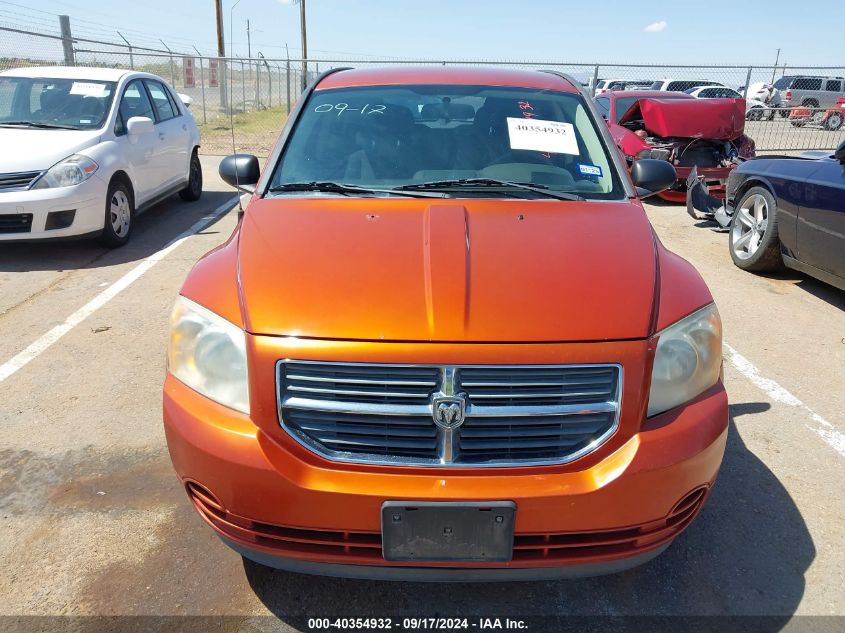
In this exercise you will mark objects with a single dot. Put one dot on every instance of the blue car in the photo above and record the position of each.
(782, 211)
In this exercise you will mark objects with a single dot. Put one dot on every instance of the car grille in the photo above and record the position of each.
(513, 416)
(20, 180)
(15, 222)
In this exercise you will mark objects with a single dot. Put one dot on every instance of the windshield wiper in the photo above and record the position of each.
(45, 126)
(543, 190)
(336, 187)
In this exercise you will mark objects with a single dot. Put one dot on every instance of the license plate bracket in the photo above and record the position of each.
(434, 531)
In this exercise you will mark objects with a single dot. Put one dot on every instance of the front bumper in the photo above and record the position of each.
(87, 200)
(281, 505)
(715, 179)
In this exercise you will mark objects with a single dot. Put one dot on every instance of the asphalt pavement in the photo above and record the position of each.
(93, 521)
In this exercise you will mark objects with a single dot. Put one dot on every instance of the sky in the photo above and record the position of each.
(641, 31)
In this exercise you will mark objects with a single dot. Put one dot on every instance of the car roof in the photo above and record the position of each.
(696, 88)
(68, 72)
(467, 76)
(652, 94)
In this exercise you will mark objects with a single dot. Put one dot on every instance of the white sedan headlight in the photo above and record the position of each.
(70, 171)
(208, 354)
(687, 361)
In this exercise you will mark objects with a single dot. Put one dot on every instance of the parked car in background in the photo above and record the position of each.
(479, 362)
(607, 85)
(766, 93)
(680, 85)
(604, 85)
(86, 149)
(810, 92)
(755, 110)
(783, 211)
(674, 126)
(831, 119)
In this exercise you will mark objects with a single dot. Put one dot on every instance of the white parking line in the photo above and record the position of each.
(44, 342)
(824, 429)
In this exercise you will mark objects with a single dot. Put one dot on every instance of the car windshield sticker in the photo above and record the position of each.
(88, 89)
(589, 170)
(554, 137)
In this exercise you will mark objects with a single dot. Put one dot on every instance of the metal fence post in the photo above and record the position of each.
(279, 69)
(172, 69)
(287, 78)
(243, 85)
(129, 46)
(269, 80)
(595, 78)
(257, 85)
(202, 86)
(747, 81)
(67, 39)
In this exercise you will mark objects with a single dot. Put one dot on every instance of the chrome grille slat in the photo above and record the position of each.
(357, 429)
(356, 407)
(359, 381)
(542, 409)
(513, 415)
(350, 392)
(539, 394)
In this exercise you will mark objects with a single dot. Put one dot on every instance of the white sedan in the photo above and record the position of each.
(86, 149)
(755, 109)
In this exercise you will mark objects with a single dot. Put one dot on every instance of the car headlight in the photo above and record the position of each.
(70, 171)
(687, 361)
(208, 354)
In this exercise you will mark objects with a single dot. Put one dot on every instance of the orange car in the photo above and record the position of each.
(444, 342)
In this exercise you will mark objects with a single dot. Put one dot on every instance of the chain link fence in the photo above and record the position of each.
(256, 94)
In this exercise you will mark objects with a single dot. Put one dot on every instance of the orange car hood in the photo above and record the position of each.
(412, 269)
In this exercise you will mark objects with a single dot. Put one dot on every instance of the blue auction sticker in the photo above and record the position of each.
(590, 170)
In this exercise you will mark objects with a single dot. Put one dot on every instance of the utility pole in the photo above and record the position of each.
(304, 44)
(774, 70)
(248, 42)
(67, 39)
(221, 53)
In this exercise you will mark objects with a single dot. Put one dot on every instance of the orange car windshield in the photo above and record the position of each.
(386, 137)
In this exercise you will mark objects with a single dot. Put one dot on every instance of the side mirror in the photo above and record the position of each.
(138, 126)
(651, 176)
(839, 154)
(185, 99)
(241, 171)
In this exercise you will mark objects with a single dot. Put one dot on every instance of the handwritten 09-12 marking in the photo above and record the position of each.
(340, 108)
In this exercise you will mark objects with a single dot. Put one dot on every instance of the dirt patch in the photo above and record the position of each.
(85, 480)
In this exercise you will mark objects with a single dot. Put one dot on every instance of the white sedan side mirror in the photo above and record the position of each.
(137, 126)
(185, 99)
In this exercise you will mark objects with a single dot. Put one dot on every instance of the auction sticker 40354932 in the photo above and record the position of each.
(554, 137)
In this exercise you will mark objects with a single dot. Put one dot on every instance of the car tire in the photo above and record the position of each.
(834, 121)
(119, 215)
(193, 190)
(755, 114)
(753, 237)
(783, 112)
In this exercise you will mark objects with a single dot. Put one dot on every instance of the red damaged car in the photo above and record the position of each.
(676, 127)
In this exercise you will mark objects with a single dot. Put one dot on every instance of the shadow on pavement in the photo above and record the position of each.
(746, 554)
(153, 230)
